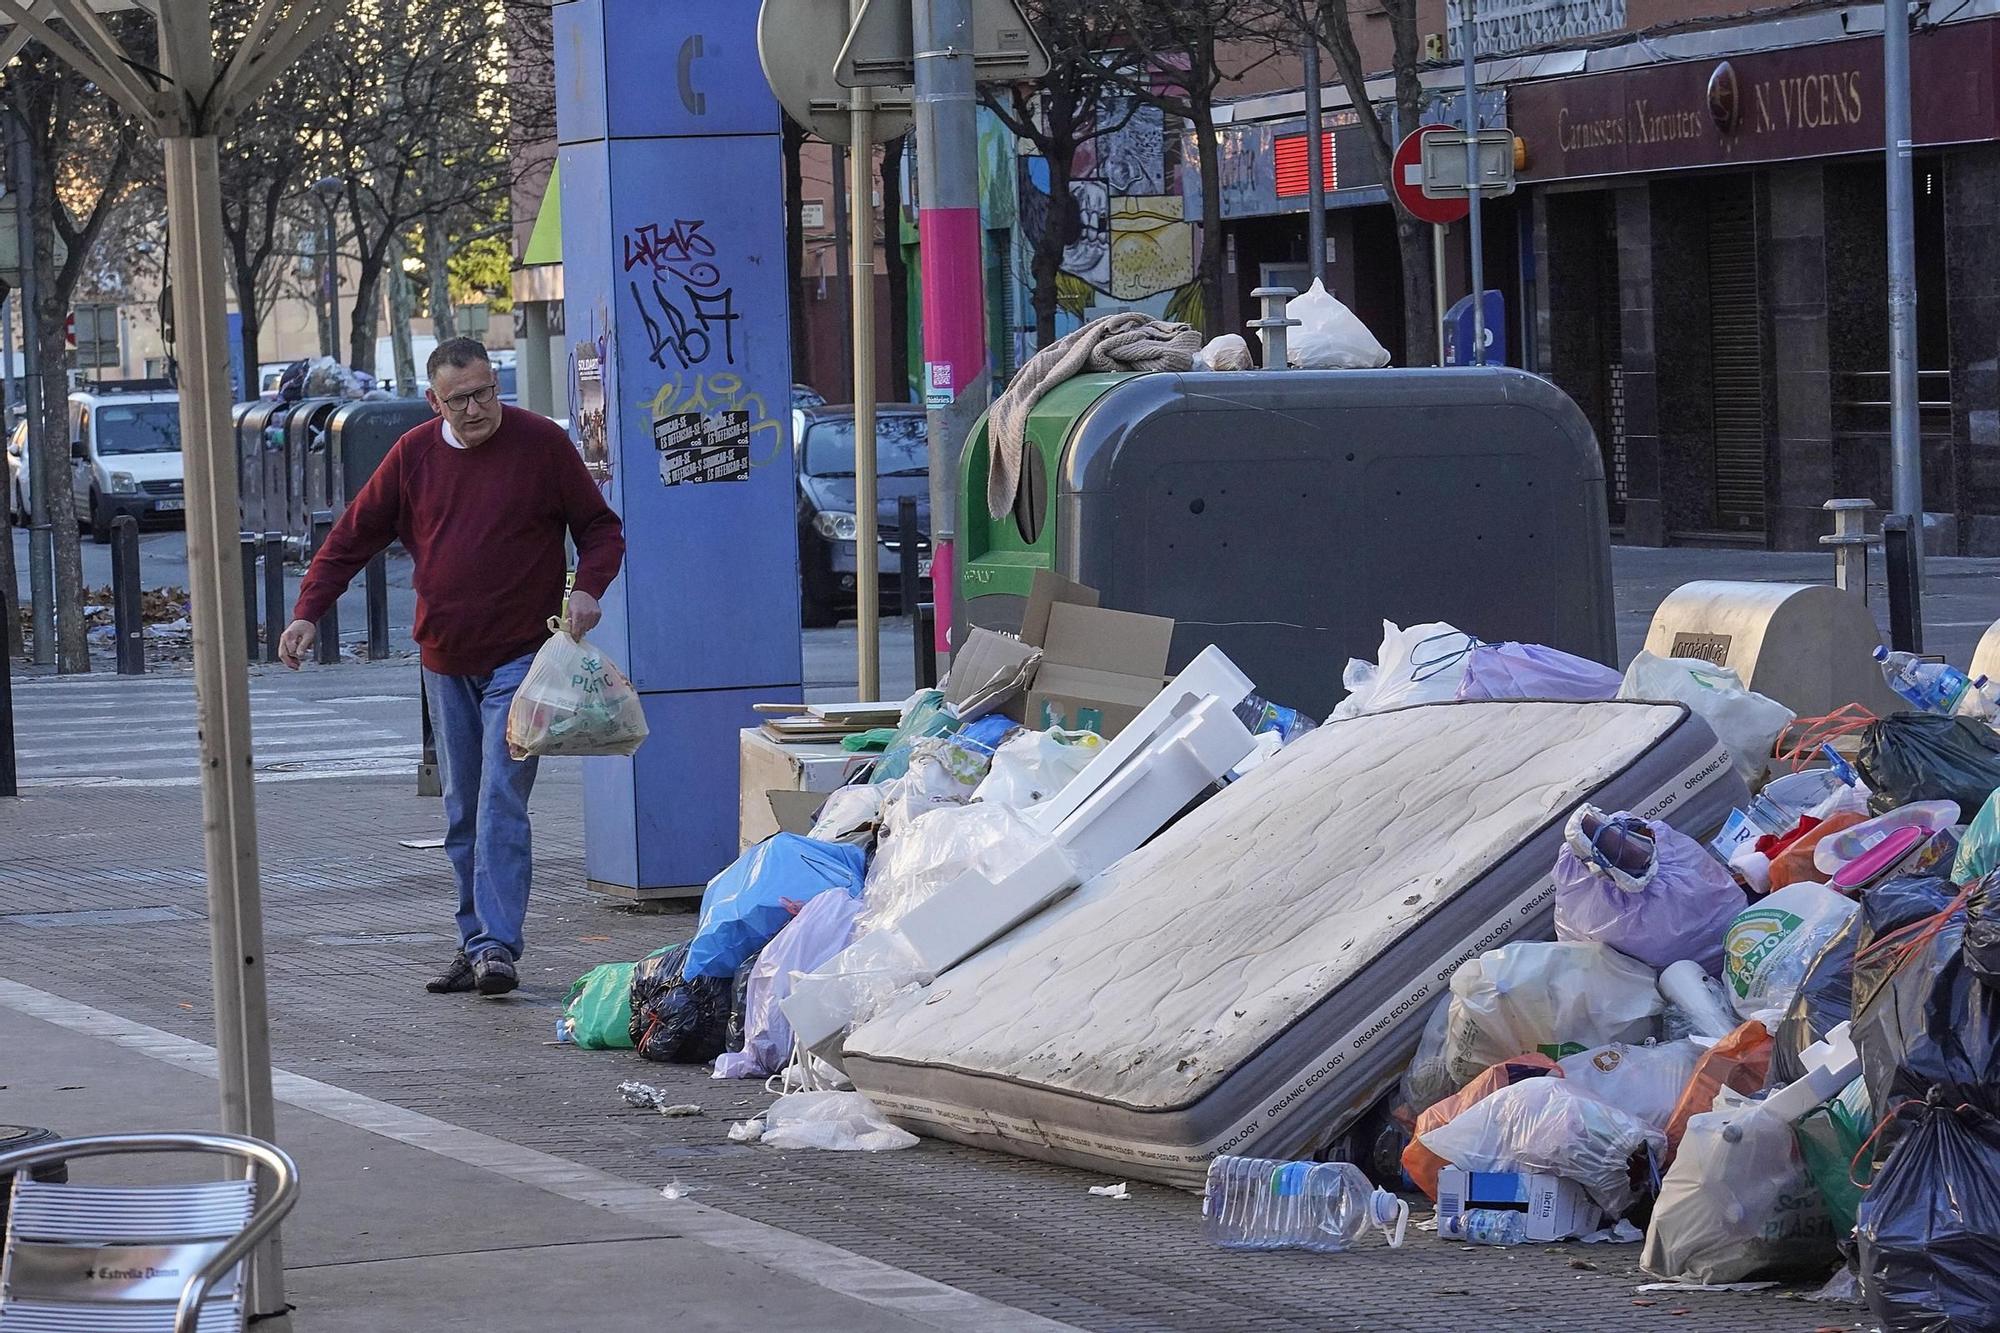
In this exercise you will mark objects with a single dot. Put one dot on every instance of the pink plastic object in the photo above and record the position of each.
(1884, 854)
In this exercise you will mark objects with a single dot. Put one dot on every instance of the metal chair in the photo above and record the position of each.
(155, 1259)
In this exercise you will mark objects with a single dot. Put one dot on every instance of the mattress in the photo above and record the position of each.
(1258, 976)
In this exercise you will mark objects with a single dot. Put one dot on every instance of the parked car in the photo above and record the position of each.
(825, 451)
(17, 475)
(804, 395)
(125, 453)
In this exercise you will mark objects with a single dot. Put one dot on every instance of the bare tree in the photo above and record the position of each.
(1072, 105)
(1335, 22)
(82, 150)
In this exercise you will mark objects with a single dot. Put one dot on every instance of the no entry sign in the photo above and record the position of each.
(1406, 178)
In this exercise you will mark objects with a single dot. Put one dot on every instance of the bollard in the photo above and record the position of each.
(1850, 542)
(428, 781)
(376, 581)
(926, 632)
(1271, 328)
(909, 581)
(326, 648)
(274, 593)
(9, 785)
(250, 591)
(1906, 630)
(128, 620)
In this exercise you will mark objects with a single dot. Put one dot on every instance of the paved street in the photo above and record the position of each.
(449, 1145)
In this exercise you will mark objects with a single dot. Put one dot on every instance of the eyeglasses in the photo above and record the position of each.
(458, 402)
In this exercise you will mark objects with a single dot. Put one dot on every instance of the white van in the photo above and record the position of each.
(125, 454)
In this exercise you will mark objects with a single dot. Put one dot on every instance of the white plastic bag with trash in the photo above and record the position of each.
(1545, 1125)
(1552, 999)
(936, 849)
(850, 814)
(1645, 1081)
(1738, 1202)
(1033, 766)
(1329, 336)
(837, 1121)
(1770, 946)
(1228, 352)
(1745, 722)
(1423, 664)
(574, 700)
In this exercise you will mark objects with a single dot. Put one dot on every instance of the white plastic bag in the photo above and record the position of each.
(850, 814)
(1543, 1124)
(1737, 1202)
(574, 700)
(1329, 335)
(1555, 999)
(1423, 664)
(839, 1121)
(1228, 352)
(1032, 766)
(1770, 946)
(1746, 723)
(936, 849)
(1644, 1081)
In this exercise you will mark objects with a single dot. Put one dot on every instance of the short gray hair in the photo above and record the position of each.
(457, 353)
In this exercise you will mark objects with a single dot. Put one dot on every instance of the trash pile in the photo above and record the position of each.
(1763, 1047)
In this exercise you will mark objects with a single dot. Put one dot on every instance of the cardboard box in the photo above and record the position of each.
(765, 765)
(1099, 668)
(1555, 1208)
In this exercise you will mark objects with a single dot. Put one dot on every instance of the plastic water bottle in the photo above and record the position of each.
(1930, 687)
(1979, 702)
(1252, 1203)
(1486, 1226)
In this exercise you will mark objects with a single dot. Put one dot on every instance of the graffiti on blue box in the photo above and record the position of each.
(696, 447)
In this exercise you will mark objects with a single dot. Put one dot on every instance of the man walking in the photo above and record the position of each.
(480, 497)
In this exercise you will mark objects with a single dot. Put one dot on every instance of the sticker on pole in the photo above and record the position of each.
(698, 448)
(937, 384)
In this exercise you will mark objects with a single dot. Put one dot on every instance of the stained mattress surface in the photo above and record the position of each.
(1361, 865)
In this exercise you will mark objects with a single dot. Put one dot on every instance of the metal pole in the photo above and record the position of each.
(7, 308)
(274, 593)
(128, 623)
(861, 233)
(1905, 446)
(9, 785)
(221, 677)
(326, 647)
(1469, 41)
(41, 537)
(1437, 280)
(376, 583)
(247, 542)
(909, 581)
(953, 268)
(330, 281)
(1315, 165)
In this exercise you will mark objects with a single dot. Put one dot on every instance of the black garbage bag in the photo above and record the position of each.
(674, 1018)
(1924, 757)
(1928, 1235)
(739, 1002)
(1826, 996)
(1923, 1016)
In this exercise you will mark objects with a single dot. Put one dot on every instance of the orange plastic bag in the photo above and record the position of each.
(1741, 1061)
(1422, 1164)
(1794, 865)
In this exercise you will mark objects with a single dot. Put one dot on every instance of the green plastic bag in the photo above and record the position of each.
(598, 1008)
(1828, 1138)
(1979, 854)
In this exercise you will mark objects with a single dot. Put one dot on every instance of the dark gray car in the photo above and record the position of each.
(825, 450)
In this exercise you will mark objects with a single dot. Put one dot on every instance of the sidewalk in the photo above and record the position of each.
(506, 1170)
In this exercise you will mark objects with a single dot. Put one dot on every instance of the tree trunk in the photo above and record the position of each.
(366, 318)
(444, 315)
(794, 138)
(253, 327)
(1046, 266)
(55, 498)
(1420, 316)
(1209, 266)
(399, 324)
(897, 267)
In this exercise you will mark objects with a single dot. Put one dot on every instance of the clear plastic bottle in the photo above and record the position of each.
(1930, 687)
(1253, 1203)
(1485, 1226)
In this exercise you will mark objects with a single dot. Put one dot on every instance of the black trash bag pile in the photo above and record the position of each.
(1826, 997)
(739, 1003)
(1928, 1237)
(676, 1019)
(1924, 757)
(1927, 1011)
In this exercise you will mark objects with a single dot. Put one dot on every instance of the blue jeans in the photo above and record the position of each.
(485, 804)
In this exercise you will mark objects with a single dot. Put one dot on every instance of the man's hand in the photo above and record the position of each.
(296, 642)
(584, 613)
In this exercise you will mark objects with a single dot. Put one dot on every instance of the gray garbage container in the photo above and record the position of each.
(360, 436)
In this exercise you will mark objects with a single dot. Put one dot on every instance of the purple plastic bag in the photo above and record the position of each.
(1684, 910)
(822, 929)
(1530, 671)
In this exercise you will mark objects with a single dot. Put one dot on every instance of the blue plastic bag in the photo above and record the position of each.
(746, 905)
(1531, 671)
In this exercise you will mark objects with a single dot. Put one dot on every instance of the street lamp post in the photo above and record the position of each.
(329, 190)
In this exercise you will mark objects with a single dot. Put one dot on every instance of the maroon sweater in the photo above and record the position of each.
(484, 527)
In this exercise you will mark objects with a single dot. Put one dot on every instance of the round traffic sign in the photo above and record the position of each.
(1406, 178)
(797, 41)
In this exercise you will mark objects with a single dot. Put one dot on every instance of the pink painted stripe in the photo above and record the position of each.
(954, 282)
